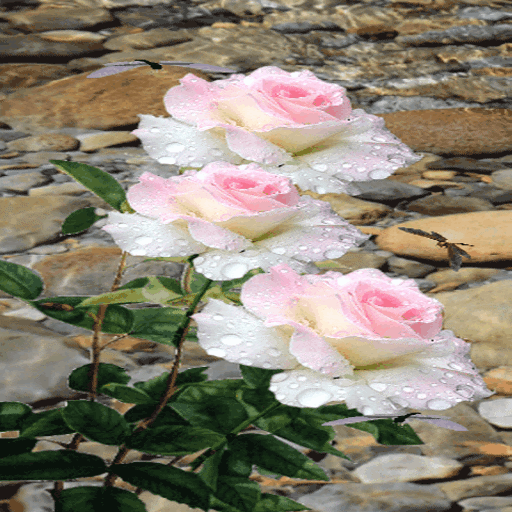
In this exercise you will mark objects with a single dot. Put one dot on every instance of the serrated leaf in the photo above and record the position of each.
(167, 481)
(107, 373)
(98, 499)
(173, 440)
(126, 394)
(19, 281)
(50, 465)
(273, 455)
(117, 320)
(97, 181)
(12, 415)
(46, 423)
(80, 220)
(96, 422)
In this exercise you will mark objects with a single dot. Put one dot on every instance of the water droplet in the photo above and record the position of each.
(438, 404)
(367, 411)
(216, 152)
(234, 270)
(143, 240)
(245, 361)
(274, 352)
(320, 190)
(378, 175)
(303, 247)
(346, 166)
(181, 242)
(231, 339)
(316, 250)
(313, 397)
(122, 225)
(407, 389)
(379, 138)
(378, 386)
(218, 317)
(174, 147)
(465, 391)
(320, 167)
(278, 250)
(267, 365)
(167, 160)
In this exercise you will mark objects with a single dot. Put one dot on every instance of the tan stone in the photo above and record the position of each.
(438, 175)
(67, 36)
(51, 18)
(489, 232)
(453, 132)
(19, 76)
(355, 211)
(45, 142)
(99, 103)
(149, 39)
(473, 88)
(104, 140)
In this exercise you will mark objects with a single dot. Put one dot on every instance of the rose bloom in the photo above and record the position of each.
(294, 124)
(363, 338)
(237, 217)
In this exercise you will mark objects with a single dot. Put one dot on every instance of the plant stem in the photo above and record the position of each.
(95, 364)
(170, 387)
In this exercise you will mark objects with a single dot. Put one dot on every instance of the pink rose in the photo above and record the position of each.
(237, 217)
(363, 338)
(274, 118)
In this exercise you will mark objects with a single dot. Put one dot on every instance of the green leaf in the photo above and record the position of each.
(98, 499)
(126, 394)
(197, 281)
(212, 405)
(96, 422)
(15, 446)
(166, 417)
(238, 492)
(167, 481)
(237, 283)
(12, 415)
(107, 373)
(80, 220)
(18, 281)
(301, 432)
(173, 440)
(157, 290)
(257, 400)
(210, 470)
(98, 182)
(46, 423)
(389, 433)
(272, 503)
(50, 465)
(273, 455)
(257, 377)
(117, 319)
(157, 324)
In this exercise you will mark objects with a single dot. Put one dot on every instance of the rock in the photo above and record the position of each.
(26, 349)
(45, 142)
(20, 76)
(481, 315)
(48, 17)
(28, 221)
(437, 205)
(453, 132)
(99, 103)
(355, 211)
(489, 232)
(104, 140)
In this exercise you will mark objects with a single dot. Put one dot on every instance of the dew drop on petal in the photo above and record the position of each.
(167, 160)
(174, 147)
(143, 240)
(438, 404)
(278, 250)
(231, 339)
(246, 361)
(320, 167)
(234, 270)
(313, 397)
(408, 389)
(154, 130)
(378, 175)
(332, 254)
(320, 190)
(378, 386)
(218, 317)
